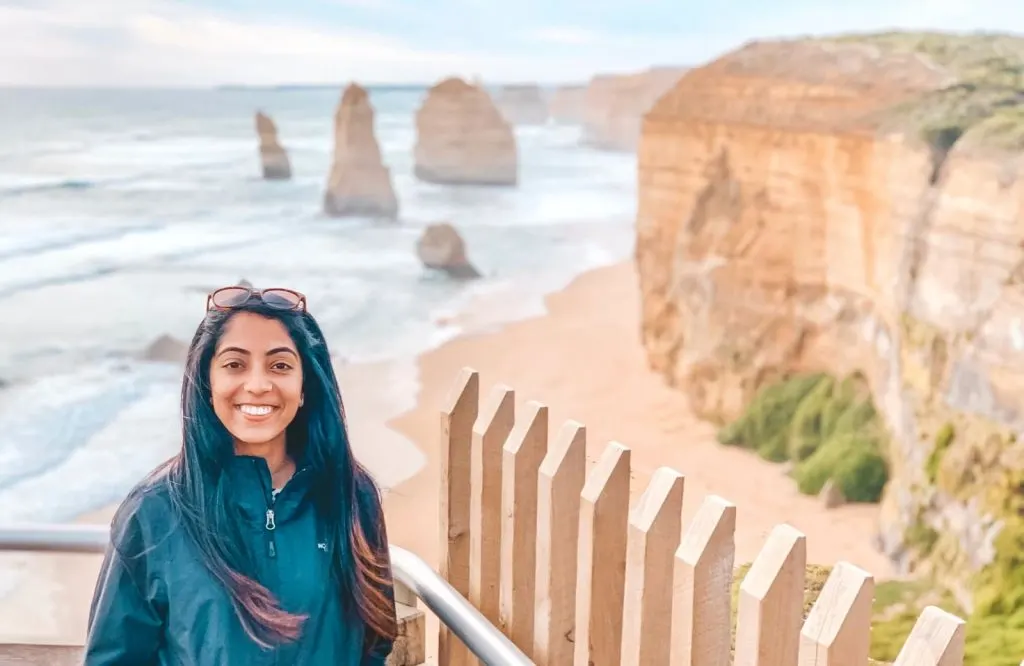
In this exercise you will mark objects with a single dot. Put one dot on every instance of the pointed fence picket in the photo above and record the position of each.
(554, 556)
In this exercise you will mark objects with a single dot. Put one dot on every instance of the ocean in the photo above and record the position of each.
(120, 209)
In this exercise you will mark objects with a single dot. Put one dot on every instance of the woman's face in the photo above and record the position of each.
(256, 379)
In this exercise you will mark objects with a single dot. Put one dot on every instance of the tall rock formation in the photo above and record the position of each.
(462, 138)
(614, 106)
(273, 157)
(523, 104)
(856, 204)
(359, 184)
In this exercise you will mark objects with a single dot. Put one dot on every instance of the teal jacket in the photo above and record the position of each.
(155, 604)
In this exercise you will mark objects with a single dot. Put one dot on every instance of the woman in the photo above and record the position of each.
(262, 541)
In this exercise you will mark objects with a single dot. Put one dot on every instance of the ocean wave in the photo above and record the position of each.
(47, 421)
(115, 432)
(31, 187)
(48, 243)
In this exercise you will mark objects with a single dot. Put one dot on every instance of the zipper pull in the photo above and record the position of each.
(270, 520)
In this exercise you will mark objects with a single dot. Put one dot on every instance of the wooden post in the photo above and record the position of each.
(838, 630)
(655, 527)
(489, 434)
(771, 602)
(521, 460)
(936, 640)
(702, 588)
(559, 486)
(604, 515)
(457, 419)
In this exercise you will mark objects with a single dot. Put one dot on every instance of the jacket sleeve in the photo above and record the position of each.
(125, 626)
(380, 646)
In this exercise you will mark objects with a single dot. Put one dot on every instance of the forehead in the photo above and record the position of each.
(252, 332)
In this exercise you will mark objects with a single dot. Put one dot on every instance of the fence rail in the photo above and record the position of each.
(558, 559)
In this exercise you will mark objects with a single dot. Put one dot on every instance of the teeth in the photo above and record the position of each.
(255, 410)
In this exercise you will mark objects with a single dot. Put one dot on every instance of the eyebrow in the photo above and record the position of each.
(246, 352)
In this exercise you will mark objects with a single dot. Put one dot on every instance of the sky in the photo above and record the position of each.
(170, 43)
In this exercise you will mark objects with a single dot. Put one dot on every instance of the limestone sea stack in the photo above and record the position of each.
(359, 184)
(462, 138)
(523, 104)
(273, 156)
(440, 247)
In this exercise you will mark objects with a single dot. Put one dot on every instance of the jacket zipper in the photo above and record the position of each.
(270, 525)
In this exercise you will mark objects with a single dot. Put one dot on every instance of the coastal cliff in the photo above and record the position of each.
(855, 205)
(567, 104)
(614, 106)
(522, 104)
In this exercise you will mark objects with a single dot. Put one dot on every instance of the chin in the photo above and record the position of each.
(256, 436)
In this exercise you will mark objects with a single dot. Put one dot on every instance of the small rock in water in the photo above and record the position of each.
(242, 282)
(166, 349)
(831, 496)
(441, 247)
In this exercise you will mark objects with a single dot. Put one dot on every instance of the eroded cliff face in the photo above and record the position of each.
(802, 209)
(614, 105)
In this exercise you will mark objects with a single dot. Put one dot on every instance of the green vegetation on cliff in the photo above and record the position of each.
(828, 428)
(984, 101)
(991, 641)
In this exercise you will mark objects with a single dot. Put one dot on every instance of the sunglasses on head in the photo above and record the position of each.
(278, 298)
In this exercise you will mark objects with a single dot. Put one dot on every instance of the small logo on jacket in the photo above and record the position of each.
(322, 545)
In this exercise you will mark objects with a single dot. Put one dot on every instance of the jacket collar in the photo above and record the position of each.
(250, 488)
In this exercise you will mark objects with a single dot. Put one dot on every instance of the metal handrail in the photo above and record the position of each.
(481, 637)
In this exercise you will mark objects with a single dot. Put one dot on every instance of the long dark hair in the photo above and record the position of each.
(345, 493)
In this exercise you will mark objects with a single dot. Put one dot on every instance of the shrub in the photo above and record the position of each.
(830, 429)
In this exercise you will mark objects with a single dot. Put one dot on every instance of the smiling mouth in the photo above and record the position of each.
(256, 411)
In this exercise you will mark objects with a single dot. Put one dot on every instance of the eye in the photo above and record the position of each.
(233, 365)
(281, 366)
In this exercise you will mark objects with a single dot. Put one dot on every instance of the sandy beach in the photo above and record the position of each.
(584, 360)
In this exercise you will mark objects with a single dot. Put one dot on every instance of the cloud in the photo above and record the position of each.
(171, 42)
(155, 42)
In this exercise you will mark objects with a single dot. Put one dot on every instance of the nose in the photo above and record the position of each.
(257, 382)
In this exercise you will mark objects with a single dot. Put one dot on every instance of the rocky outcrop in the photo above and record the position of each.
(855, 204)
(166, 349)
(568, 104)
(440, 247)
(273, 157)
(462, 138)
(614, 106)
(359, 184)
(523, 104)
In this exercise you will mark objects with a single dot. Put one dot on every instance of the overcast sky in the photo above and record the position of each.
(209, 42)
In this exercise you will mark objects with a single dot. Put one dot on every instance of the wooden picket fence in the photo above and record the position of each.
(555, 557)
